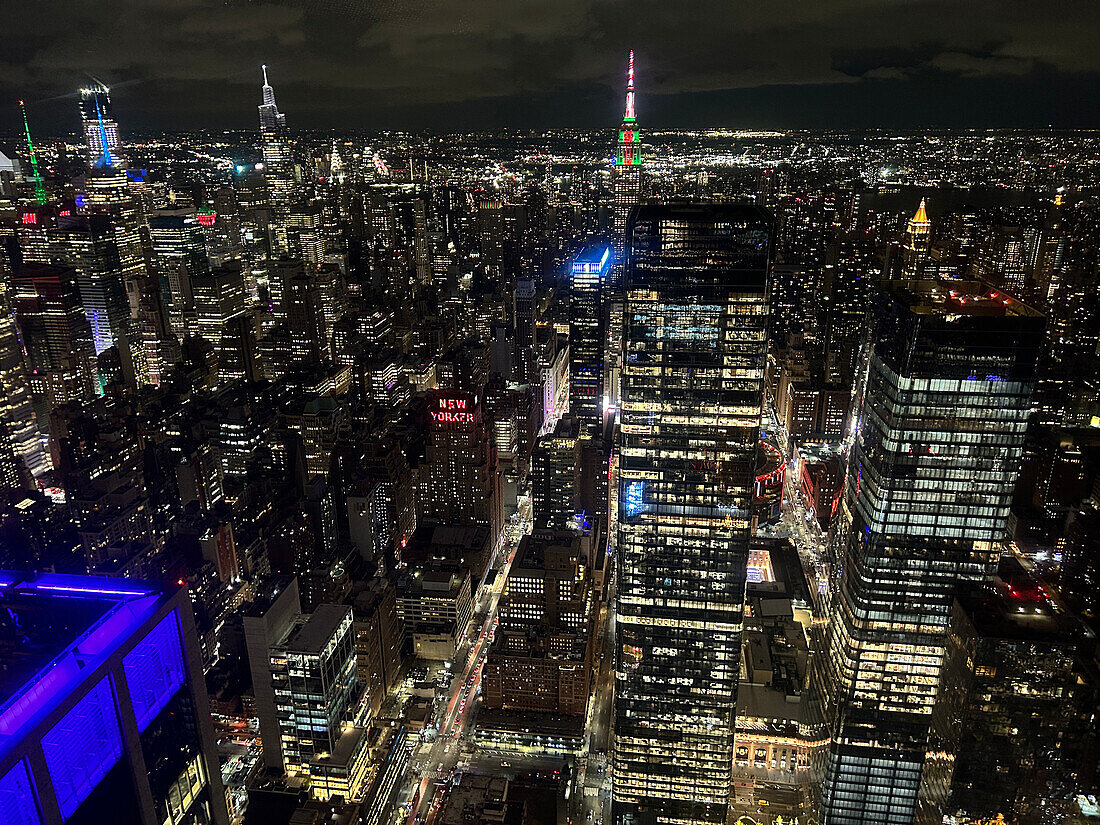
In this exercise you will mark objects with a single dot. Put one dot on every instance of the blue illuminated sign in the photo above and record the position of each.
(80, 201)
(155, 670)
(83, 747)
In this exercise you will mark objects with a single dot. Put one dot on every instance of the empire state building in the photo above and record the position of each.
(626, 174)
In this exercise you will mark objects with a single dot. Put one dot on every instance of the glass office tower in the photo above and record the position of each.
(939, 427)
(695, 321)
(586, 345)
(316, 693)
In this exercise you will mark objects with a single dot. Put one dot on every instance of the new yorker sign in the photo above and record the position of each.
(453, 410)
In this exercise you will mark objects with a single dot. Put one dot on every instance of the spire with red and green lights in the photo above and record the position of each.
(39, 188)
(629, 150)
(629, 116)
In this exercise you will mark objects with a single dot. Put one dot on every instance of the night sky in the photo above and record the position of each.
(456, 64)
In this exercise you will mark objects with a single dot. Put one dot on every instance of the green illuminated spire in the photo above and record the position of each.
(39, 189)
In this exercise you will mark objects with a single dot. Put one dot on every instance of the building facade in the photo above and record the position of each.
(1016, 709)
(939, 430)
(541, 660)
(314, 676)
(696, 312)
(586, 345)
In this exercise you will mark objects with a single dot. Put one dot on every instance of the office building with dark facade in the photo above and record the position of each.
(695, 318)
(937, 441)
(1014, 722)
(586, 345)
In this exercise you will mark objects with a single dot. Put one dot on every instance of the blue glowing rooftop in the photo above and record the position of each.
(593, 259)
(55, 629)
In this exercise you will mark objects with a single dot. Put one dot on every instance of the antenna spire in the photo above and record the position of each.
(264, 67)
(629, 116)
(39, 189)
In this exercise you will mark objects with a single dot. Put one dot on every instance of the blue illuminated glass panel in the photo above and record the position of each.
(155, 670)
(17, 800)
(634, 499)
(83, 746)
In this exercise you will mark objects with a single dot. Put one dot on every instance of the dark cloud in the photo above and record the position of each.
(538, 62)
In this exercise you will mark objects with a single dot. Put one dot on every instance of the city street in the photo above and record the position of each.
(434, 761)
(798, 522)
(592, 800)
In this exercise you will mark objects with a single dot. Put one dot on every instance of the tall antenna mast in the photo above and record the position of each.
(39, 189)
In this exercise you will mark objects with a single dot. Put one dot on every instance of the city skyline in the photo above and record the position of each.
(417, 64)
(509, 477)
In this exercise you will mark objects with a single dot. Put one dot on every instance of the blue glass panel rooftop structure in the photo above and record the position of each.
(155, 670)
(17, 798)
(91, 664)
(83, 746)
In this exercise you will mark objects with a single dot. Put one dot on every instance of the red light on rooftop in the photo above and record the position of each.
(182, 581)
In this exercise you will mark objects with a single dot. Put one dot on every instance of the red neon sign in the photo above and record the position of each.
(30, 218)
(453, 418)
(206, 218)
(452, 411)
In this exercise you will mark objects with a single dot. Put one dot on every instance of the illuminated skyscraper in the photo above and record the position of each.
(55, 332)
(219, 298)
(555, 471)
(697, 281)
(313, 674)
(179, 249)
(87, 244)
(939, 429)
(267, 619)
(586, 345)
(458, 482)
(918, 240)
(105, 714)
(626, 174)
(109, 193)
(305, 320)
(278, 161)
(101, 142)
(18, 426)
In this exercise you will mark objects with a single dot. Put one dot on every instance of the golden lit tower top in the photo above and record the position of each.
(918, 242)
